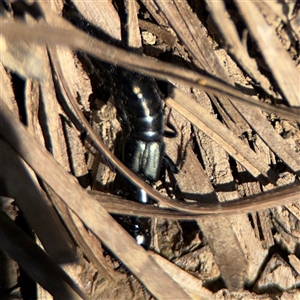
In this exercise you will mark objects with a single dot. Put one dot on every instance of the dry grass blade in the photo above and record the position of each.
(36, 262)
(205, 56)
(106, 15)
(284, 69)
(22, 186)
(269, 135)
(80, 41)
(220, 134)
(279, 196)
(234, 44)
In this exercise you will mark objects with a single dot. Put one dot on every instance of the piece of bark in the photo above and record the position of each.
(285, 73)
(277, 276)
(257, 120)
(245, 295)
(35, 207)
(36, 262)
(104, 16)
(229, 32)
(192, 285)
(294, 262)
(200, 262)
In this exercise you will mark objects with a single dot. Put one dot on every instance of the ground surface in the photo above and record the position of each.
(227, 149)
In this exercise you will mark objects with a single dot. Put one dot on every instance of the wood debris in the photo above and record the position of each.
(229, 76)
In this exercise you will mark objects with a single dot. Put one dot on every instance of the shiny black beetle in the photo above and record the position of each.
(139, 106)
(141, 114)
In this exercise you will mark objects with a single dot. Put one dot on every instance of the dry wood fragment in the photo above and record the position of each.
(29, 256)
(284, 70)
(234, 43)
(277, 276)
(22, 186)
(189, 283)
